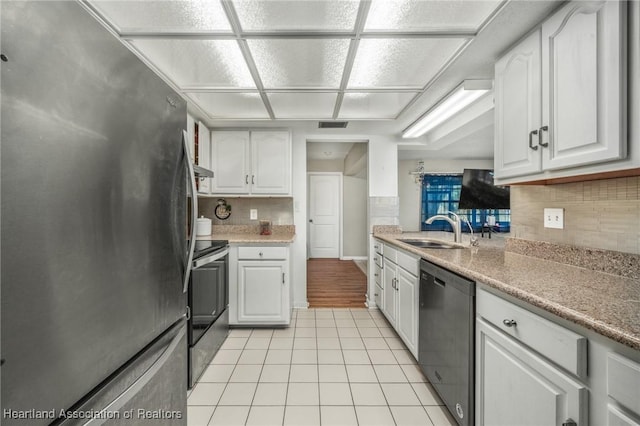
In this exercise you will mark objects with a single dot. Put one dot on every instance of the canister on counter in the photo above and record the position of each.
(203, 226)
(265, 227)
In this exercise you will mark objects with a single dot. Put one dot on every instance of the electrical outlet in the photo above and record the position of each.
(253, 214)
(554, 218)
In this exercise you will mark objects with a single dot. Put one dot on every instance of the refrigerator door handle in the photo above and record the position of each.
(194, 212)
(134, 389)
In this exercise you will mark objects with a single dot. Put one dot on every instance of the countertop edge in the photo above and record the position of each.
(600, 327)
(240, 238)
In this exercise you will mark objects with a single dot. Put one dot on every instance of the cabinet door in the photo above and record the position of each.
(262, 292)
(270, 163)
(407, 315)
(518, 95)
(204, 156)
(514, 386)
(230, 156)
(584, 84)
(389, 291)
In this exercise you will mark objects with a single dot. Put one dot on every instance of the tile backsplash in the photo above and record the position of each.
(603, 214)
(279, 210)
(384, 211)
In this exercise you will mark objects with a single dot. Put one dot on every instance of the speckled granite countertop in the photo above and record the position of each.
(255, 238)
(605, 303)
(241, 238)
(249, 234)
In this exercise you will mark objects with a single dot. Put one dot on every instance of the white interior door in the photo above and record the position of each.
(325, 195)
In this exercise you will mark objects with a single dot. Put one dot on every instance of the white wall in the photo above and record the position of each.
(325, 166)
(409, 192)
(354, 226)
(383, 168)
(299, 245)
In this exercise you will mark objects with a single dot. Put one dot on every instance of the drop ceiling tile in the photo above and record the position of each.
(164, 16)
(205, 63)
(433, 15)
(400, 62)
(303, 104)
(231, 105)
(299, 63)
(296, 15)
(374, 105)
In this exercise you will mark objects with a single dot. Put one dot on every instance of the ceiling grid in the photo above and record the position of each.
(293, 54)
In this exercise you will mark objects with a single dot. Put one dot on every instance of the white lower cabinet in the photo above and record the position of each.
(531, 370)
(399, 294)
(260, 287)
(515, 386)
(389, 291)
(408, 286)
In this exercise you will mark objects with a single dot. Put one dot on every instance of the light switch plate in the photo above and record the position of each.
(253, 214)
(554, 218)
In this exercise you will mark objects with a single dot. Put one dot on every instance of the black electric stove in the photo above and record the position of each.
(205, 247)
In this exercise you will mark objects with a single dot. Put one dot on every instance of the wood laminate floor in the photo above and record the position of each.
(335, 283)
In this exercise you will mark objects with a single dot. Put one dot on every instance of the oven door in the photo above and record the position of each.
(207, 293)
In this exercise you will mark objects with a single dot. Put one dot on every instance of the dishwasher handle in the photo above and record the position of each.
(439, 282)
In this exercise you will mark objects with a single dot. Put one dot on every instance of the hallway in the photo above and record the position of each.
(335, 283)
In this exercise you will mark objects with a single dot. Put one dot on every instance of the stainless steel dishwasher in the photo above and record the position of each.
(446, 338)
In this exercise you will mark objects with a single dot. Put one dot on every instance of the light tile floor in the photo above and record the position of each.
(330, 367)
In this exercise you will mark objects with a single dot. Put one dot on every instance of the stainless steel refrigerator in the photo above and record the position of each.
(93, 241)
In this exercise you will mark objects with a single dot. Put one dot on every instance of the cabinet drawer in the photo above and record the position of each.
(623, 381)
(390, 253)
(377, 274)
(408, 262)
(562, 346)
(377, 296)
(378, 247)
(260, 253)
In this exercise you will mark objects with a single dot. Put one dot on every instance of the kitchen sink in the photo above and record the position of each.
(430, 244)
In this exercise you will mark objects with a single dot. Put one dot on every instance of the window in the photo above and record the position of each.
(441, 193)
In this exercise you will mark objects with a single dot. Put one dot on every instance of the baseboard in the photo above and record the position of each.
(371, 304)
(301, 305)
(353, 258)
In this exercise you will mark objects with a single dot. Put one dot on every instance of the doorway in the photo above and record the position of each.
(325, 214)
(337, 194)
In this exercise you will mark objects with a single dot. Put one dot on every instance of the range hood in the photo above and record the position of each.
(202, 172)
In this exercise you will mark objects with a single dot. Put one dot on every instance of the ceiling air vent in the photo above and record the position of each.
(332, 124)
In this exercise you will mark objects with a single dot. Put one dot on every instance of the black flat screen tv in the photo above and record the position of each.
(479, 192)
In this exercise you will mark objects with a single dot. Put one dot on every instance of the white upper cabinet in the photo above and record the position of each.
(561, 94)
(204, 156)
(270, 163)
(230, 156)
(584, 84)
(251, 162)
(517, 109)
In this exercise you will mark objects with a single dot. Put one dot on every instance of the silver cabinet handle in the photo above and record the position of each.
(253, 179)
(261, 254)
(283, 278)
(375, 275)
(540, 130)
(194, 212)
(531, 133)
(246, 179)
(509, 323)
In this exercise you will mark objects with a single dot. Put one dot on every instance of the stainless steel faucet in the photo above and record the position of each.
(456, 224)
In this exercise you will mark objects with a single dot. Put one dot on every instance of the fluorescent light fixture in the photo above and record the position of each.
(457, 100)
